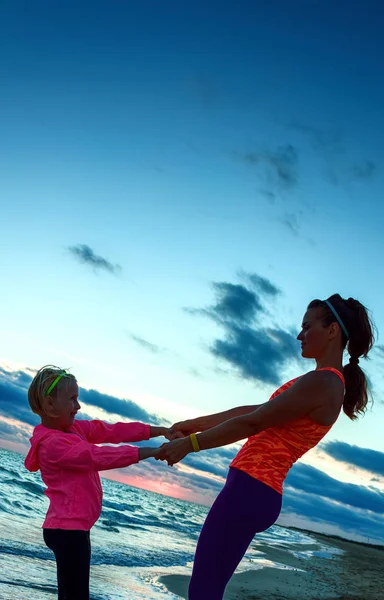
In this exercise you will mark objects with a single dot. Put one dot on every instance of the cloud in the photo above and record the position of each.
(122, 407)
(291, 222)
(309, 493)
(320, 510)
(216, 461)
(145, 344)
(279, 166)
(255, 351)
(258, 354)
(19, 378)
(13, 433)
(14, 401)
(86, 255)
(330, 146)
(262, 285)
(363, 458)
(310, 480)
(364, 171)
(320, 139)
(158, 471)
(235, 302)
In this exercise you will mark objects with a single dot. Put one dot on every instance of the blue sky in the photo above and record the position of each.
(176, 184)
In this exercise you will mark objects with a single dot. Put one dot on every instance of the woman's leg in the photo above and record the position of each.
(72, 550)
(244, 507)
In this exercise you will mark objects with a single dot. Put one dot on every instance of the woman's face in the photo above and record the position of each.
(314, 336)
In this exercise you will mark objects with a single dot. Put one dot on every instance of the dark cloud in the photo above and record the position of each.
(86, 255)
(215, 461)
(14, 401)
(118, 406)
(280, 166)
(238, 303)
(159, 471)
(291, 222)
(312, 481)
(145, 344)
(330, 146)
(364, 171)
(320, 139)
(18, 378)
(262, 285)
(269, 195)
(309, 493)
(13, 433)
(363, 458)
(320, 510)
(235, 302)
(257, 352)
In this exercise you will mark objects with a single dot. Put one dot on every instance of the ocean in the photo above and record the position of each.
(139, 537)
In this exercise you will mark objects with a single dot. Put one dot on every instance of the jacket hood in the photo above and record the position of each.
(39, 433)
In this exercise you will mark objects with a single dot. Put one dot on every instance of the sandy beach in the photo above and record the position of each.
(355, 574)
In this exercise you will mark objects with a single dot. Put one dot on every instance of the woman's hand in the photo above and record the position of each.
(174, 451)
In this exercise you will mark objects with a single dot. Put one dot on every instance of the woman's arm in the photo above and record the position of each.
(309, 392)
(208, 421)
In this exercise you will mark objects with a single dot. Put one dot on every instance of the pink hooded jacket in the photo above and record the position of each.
(69, 463)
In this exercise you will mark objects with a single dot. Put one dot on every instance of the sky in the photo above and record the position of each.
(177, 182)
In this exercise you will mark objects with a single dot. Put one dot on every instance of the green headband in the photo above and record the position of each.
(49, 390)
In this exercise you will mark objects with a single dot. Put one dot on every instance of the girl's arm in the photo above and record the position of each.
(155, 431)
(147, 452)
(98, 432)
(79, 455)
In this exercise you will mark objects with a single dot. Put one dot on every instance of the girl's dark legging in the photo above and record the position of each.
(72, 549)
(244, 507)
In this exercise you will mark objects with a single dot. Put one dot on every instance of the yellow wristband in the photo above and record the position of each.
(195, 443)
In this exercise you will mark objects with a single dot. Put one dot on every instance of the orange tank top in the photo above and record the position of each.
(268, 455)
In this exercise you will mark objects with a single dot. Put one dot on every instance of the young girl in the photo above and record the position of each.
(65, 451)
(297, 416)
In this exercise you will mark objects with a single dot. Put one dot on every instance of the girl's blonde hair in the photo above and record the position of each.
(41, 382)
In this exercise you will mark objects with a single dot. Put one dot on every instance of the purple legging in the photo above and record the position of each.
(244, 507)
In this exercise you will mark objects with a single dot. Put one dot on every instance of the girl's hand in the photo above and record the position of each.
(148, 452)
(172, 435)
(165, 432)
(174, 451)
(183, 428)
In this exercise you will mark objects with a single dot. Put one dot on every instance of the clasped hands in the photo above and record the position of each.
(179, 444)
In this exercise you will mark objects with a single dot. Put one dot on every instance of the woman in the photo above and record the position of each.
(280, 431)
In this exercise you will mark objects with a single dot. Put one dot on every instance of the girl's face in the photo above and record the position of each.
(66, 404)
(314, 336)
